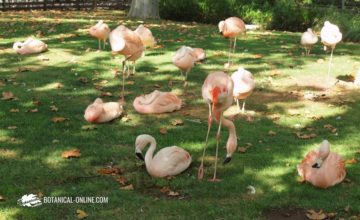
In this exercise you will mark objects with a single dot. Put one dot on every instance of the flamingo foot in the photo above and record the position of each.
(227, 160)
(201, 172)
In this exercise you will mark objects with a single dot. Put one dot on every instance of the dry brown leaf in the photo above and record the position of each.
(71, 153)
(157, 86)
(331, 128)
(163, 130)
(83, 80)
(272, 133)
(32, 110)
(58, 119)
(125, 119)
(347, 208)
(130, 82)
(110, 170)
(257, 56)
(80, 214)
(331, 214)
(88, 127)
(7, 96)
(305, 136)
(313, 215)
(176, 122)
(12, 127)
(14, 110)
(128, 187)
(351, 161)
(36, 103)
(106, 94)
(165, 189)
(54, 108)
(172, 193)
(2, 198)
(121, 180)
(242, 149)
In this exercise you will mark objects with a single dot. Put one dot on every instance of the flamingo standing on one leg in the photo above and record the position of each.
(146, 36)
(128, 43)
(232, 28)
(217, 91)
(322, 168)
(244, 84)
(330, 36)
(308, 39)
(185, 59)
(100, 31)
(169, 161)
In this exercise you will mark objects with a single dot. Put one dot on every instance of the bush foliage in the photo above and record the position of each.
(288, 15)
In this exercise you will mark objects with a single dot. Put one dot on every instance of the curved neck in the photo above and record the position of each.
(232, 139)
(150, 152)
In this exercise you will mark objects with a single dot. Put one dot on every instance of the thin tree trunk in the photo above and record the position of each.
(342, 4)
(144, 9)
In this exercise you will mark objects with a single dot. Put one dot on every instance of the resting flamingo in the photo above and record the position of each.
(322, 168)
(244, 84)
(232, 28)
(169, 161)
(100, 31)
(146, 36)
(126, 42)
(308, 39)
(30, 46)
(217, 91)
(330, 36)
(185, 59)
(100, 112)
(157, 102)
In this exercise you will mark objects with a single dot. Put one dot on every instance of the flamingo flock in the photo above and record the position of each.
(320, 167)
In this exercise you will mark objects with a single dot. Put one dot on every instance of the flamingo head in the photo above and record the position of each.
(323, 153)
(141, 142)
(221, 26)
(17, 46)
(94, 110)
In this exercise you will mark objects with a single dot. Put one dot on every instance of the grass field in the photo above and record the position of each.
(70, 76)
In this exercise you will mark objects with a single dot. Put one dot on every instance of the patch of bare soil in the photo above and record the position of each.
(285, 214)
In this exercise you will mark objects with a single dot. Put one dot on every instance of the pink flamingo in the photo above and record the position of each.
(100, 112)
(232, 28)
(244, 84)
(308, 39)
(100, 31)
(146, 36)
(126, 42)
(157, 102)
(199, 54)
(322, 168)
(217, 91)
(330, 35)
(169, 161)
(30, 46)
(185, 59)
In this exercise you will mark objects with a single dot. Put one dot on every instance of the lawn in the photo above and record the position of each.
(73, 73)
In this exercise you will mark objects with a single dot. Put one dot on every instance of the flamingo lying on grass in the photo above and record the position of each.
(330, 36)
(157, 102)
(308, 39)
(30, 46)
(100, 112)
(126, 42)
(322, 168)
(100, 31)
(232, 28)
(169, 161)
(217, 91)
(244, 84)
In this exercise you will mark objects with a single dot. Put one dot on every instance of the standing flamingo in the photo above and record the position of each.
(322, 168)
(217, 91)
(30, 46)
(100, 31)
(244, 84)
(232, 28)
(168, 161)
(146, 36)
(128, 43)
(308, 39)
(185, 59)
(199, 54)
(157, 102)
(330, 36)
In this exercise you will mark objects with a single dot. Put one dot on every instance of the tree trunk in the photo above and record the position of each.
(343, 4)
(144, 9)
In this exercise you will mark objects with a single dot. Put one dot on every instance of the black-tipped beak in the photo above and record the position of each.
(140, 156)
(227, 160)
(315, 165)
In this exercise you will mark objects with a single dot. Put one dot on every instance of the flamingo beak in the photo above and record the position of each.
(140, 156)
(315, 165)
(227, 160)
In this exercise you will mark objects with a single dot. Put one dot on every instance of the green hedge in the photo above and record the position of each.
(286, 15)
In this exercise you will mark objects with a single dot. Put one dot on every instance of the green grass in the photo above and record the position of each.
(30, 161)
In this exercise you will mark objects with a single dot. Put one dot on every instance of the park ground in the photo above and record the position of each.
(294, 107)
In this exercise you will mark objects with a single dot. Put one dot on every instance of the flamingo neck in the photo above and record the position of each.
(231, 144)
(214, 97)
(149, 153)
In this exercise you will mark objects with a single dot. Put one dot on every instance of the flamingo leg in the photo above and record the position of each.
(243, 107)
(201, 168)
(238, 104)
(99, 44)
(233, 51)
(123, 80)
(133, 70)
(104, 44)
(330, 61)
(229, 51)
(217, 148)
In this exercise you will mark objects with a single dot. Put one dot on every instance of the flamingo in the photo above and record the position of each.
(217, 91)
(185, 59)
(157, 102)
(330, 36)
(169, 161)
(126, 42)
(308, 39)
(100, 112)
(30, 46)
(322, 168)
(244, 85)
(100, 31)
(146, 36)
(199, 54)
(232, 28)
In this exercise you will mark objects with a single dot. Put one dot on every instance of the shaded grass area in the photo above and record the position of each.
(30, 159)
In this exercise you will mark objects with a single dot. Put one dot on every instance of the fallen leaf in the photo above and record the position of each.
(110, 170)
(130, 82)
(121, 180)
(128, 187)
(106, 94)
(14, 110)
(54, 108)
(331, 214)
(347, 208)
(7, 96)
(2, 198)
(83, 80)
(172, 193)
(257, 56)
(242, 149)
(58, 119)
(32, 110)
(331, 128)
(88, 127)
(351, 161)
(71, 153)
(272, 133)
(313, 215)
(163, 130)
(305, 136)
(36, 102)
(157, 86)
(125, 119)
(80, 214)
(176, 122)
(12, 127)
